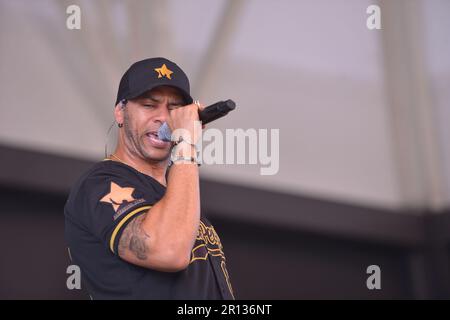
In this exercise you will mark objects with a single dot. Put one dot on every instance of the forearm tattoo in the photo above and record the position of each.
(134, 239)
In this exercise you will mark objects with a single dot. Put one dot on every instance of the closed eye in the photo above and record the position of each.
(175, 106)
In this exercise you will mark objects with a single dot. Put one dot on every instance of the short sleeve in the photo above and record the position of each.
(109, 201)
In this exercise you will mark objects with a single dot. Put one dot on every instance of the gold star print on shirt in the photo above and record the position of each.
(118, 195)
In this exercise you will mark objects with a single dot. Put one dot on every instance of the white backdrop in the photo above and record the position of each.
(309, 68)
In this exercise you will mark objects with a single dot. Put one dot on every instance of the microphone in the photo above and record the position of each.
(209, 114)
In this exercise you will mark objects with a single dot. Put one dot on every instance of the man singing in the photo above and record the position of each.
(134, 227)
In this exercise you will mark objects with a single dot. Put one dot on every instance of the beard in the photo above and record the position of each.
(136, 143)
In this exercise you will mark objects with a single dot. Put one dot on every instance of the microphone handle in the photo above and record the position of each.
(216, 111)
(210, 113)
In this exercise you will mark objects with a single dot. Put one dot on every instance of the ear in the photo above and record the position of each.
(118, 112)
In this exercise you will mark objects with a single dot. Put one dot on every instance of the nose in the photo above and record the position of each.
(163, 113)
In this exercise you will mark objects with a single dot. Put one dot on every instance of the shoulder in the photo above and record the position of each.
(100, 174)
(103, 178)
(113, 180)
(110, 185)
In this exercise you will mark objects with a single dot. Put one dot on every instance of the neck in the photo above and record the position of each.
(157, 170)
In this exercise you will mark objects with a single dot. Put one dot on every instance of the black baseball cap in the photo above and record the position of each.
(150, 73)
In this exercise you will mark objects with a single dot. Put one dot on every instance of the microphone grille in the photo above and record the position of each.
(164, 132)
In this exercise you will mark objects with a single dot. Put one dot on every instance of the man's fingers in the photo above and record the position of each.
(200, 106)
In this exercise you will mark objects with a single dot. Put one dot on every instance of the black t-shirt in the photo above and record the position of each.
(100, 205)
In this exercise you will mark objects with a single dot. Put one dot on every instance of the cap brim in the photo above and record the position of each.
(186, 96)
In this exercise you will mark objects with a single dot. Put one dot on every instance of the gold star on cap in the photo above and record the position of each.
(118, 195)
(163, 71)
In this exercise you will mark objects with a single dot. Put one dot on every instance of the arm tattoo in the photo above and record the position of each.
(134, 238)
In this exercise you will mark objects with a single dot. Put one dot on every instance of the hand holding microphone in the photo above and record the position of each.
(180, 119)
(183, 120)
